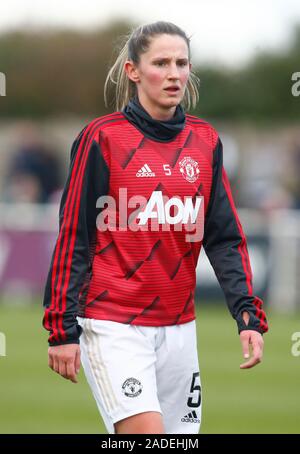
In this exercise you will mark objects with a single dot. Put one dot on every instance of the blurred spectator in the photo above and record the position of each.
(264, 180)
(296, 179)
(34, 170)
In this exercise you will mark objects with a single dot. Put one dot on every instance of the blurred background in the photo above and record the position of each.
(54, 58)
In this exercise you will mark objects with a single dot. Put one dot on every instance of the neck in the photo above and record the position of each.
(146, 120)
(156, 112)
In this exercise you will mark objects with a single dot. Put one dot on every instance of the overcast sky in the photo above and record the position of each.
(229, 31)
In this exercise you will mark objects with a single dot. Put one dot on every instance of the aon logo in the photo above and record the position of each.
(159, 207)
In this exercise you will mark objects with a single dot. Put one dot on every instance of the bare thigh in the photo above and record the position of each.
(149, 422)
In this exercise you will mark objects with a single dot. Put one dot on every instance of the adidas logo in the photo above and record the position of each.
(145, 171)
(191, 417)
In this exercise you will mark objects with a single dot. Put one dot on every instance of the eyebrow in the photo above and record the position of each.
(168, 59)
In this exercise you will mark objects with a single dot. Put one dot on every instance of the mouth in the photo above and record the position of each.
(172, 90)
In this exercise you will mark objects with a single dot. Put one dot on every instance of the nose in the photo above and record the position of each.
(173, 71)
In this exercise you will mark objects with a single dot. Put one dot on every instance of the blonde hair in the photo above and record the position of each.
(138, 42)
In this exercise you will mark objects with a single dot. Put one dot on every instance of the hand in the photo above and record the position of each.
(65, 360)
(255, 339)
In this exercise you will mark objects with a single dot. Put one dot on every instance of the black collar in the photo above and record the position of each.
(162, 131)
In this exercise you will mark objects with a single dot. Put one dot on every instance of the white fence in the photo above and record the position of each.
(28, 232)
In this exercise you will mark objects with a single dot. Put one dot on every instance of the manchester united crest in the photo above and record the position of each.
(189, 169)
(132, 387)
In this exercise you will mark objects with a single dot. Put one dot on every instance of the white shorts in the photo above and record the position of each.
(134, 369)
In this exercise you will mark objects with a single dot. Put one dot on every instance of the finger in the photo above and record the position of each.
(62, 369)
(257, 351)
(245, 346)
(71, 372)
(50, 361)
(77, 362)
(251, 363)
(55, 365)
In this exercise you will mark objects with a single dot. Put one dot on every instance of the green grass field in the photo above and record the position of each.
(265, 399)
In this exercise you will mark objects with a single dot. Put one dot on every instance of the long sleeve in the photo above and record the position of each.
(226, 248)
(87, 180)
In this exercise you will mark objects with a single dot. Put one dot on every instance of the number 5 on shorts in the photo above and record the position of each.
(197, 390)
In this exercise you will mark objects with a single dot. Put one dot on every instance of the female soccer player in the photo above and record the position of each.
(146, 189)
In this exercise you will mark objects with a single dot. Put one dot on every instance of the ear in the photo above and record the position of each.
(131, 71)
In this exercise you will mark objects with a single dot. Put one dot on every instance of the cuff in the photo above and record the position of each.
(72, 337)
(253, 324)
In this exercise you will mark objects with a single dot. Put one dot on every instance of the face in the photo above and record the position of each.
(165, 64)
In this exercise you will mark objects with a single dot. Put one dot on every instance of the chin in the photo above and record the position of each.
(171, 102)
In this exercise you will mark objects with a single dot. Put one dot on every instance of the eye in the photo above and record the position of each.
(161, 63)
